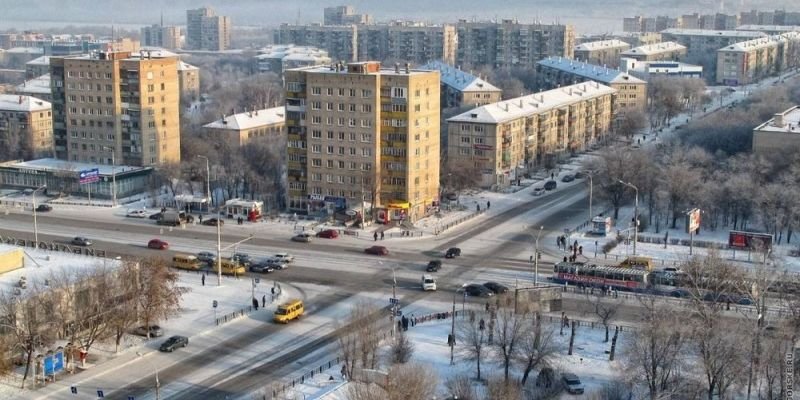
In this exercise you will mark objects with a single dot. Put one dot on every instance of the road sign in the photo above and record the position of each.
(214, 304)
(393, 300)
(89, 176)
(100, 394)
(73, 389)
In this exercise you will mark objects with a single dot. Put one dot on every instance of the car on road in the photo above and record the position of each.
(568, 178)
(213, 222)
(433, 266)
(550, 185)
(43, 208)
(538, 191)
(136, 214)
(328, 234)
(262, 267)
(285, 257)
(496, 288)
(155, 331)
(377, 250)
(158, 244)
(276, 264)
(206, 256)
(173, 343)
(303, 238)
(477, 290)
(81, 241)
(428, 283)
(157, 216)
(242, 258)
(572, 383)
(452, 252)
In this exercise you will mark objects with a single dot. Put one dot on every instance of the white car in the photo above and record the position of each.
(538, 191)
(136, 214)
(282, 257)
(428, 283)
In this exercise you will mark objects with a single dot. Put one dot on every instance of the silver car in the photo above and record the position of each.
(206, 256)
(155, 331)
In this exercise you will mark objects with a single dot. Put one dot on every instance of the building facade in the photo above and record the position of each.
(239, 129)
(112, 101)
(699, 42)
(511, 44)
(358, 133)
(665, 51)
(631, 91)
(26, 124)
(779, 135)
(278, 58)
(500, 141)
(750, 61)
(205, 30)
(345, 15)
(603, 52)
(462, 89)
(341, 42)
(407, 42)
(168, 37)
(646, 70)
(188, 82)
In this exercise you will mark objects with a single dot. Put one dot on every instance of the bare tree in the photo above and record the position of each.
(604, 311)
(536, 347)
(498, 388)
(460, 387)
(473, 341)
(158, 294)
(402, 348)
(631, 123)
(360, 340)
(411, 381)
(123, 315)
(508, 332)
(26, 323)
(366, 391)
(611, 166)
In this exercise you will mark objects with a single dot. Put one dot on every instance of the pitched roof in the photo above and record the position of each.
(762, 42)
(460, 80)
(40, 85)
(655, 48)
(589, 71)
(13, 102)
(250, 119)
(602, 44)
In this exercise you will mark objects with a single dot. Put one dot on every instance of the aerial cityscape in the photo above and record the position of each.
(399, 201)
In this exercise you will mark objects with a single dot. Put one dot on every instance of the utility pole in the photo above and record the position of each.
(394, 303)
(635, 213)
(113, 176)
(208, 182)
(453, 330)
(35, 224)
(536, 258)
(219, 249)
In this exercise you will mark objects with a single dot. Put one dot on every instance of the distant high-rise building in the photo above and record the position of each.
(345, 15)
(205, 30)
(113, 101)
(168, 37)
(511, 44)
(407, 42)
(341, 42)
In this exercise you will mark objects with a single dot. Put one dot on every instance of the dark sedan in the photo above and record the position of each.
(496, 288)
(434, 266)
(173, 343)
(81, 241)
(377, 250)
(262, 267)
(43, 208)
(477, 290)
(452, 252)
(213, 222)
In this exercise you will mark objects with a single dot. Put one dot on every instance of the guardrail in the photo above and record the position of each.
(232, 316)
(442, 228)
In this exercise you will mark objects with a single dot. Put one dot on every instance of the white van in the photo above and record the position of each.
(428, 283)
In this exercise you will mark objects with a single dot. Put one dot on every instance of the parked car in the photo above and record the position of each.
(155, 331)
(452, 252)
(550, 185)
(242, 258)
(81, 241)
(262, 267)
(43, 208)
(377, 250)
(158, 244)
(477, 290)
(538, 191)
(572, 383)
(568, 178)
(496, 288)
(213, 222)
(328, 234)
(173, 343)
(157, 216)
(303, 238)
(285, 257)
(207, 256)
(434, 266)
(136, 214)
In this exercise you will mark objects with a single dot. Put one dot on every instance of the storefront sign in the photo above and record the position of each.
(52, 246)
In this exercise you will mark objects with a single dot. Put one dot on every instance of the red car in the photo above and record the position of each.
(377, 250)
(158, 244)
(328, 234)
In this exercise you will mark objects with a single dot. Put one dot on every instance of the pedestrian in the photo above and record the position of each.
(381, 235)
(203, 279)
(487, 306)
(481, 324)
(200, 217)
(413, 320)
(488, 205)
(263, 301)
(255, 303)
(565, 258)
(558, 242)
(344, 372)
(375, 236)
(552, 176)
(478, 207)
(580, 250)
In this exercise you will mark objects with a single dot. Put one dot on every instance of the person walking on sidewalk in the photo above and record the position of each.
(375, 236)
(381, 235)
(203, 279)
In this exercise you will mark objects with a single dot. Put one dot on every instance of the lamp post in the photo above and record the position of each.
(113, 176)
(158, 385)
(635, 213)
(208, 182)
(536, 258)
(35, 224)
(453, 329)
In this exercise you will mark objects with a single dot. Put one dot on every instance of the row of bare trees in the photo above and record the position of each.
(84, 307)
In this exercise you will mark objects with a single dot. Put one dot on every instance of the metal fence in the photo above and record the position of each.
(444, 227)
(232, 316)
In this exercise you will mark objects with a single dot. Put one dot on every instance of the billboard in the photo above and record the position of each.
(89, 176)
(749, 240)
(693, 220)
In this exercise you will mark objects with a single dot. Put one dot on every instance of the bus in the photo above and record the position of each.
(230, 267)
(578, 273)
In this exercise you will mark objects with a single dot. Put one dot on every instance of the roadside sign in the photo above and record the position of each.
(100, 394)
(89, 176)
(214, 304)
(73, 389)
(393, 300)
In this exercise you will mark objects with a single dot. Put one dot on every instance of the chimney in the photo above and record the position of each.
(396, 68)
(408, 67)
(20, 99)
(778, 120)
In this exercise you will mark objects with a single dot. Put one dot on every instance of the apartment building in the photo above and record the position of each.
(502, 140)
(665, 51)
(345, 15)
(205, 30)
(631, 91)
(647, 70)
(237, 130)
(650, 24)
(188, 82)
(359, 133)
(462, 89)
(779, 135)
(776, 17)
(280, 57)
(603, 52)
(26, 125)
(168, 37)
(403, 42)
(113, 107)
(341, 42)
(38, 87)
(511, 44)
(701, 42)
(752, 60)
(37, 67)
(769, 29)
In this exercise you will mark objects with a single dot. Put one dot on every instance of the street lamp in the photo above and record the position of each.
(208, 182)
(35, 225)
(113, 176)
(536, 258)
(635, 213)
(154, 369)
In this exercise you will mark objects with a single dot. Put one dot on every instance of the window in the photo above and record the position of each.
(464, 151)
(341, 152)
(330, 149)
(352, 93)
(316, 162)
(366, 93)
(329, 106)
(341, 107)
(316, 134)
(366, 108)
(366, 137)
(330, 91)
(352, 122)
(316, 105)
(366, 123)
(330, 164)
(352, 151)
(352, 108)
(316, 120)
(316, 177)
(316, 148)
(341, 92)
(341, 135)
(399, 92)
(316, 90)
(352, 136)
(341, 164)
(366, 152)
(478, 140)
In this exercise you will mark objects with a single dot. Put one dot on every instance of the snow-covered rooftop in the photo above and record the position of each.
(460, 80)
(324, 69)
(711, 32)
(768, 28)
(53, 164)
(43, 60)
(250, 119)
(656, 48)
(601, 44)
(26, 50)
(182, 66)
(589, 71)
(13, 102)
(762, 42)
(38, 85)
(785, 122)
(533, 104)
(281, 51)
(156, 52)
